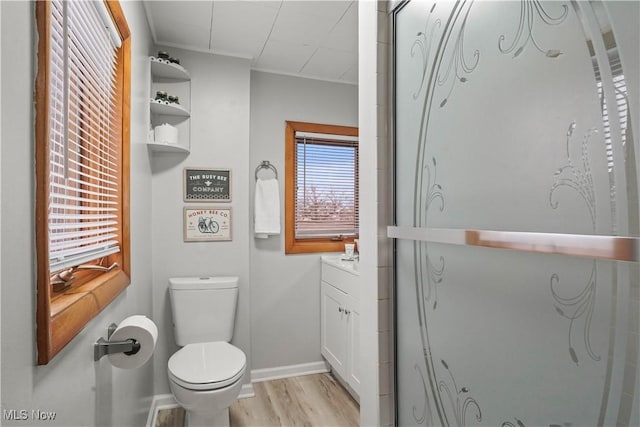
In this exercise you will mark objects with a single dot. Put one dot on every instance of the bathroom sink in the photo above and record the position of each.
(338, 261)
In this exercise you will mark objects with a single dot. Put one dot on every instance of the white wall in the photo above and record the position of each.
(285, 289)
(219, 139)
(82, 392)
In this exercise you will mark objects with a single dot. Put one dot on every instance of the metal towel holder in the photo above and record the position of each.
(266, 164)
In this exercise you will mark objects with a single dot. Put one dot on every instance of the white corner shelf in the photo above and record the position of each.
(163, 147)
(170, 109)
(168, 70)
(173, 79)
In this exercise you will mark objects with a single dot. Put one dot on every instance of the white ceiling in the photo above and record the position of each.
(313, 39)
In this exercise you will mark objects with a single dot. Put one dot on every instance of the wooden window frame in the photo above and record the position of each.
(309, 245)
(60, 316)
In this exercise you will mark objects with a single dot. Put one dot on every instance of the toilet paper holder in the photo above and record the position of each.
(103, 347)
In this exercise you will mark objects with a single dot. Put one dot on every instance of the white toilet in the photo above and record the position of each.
(205, 375)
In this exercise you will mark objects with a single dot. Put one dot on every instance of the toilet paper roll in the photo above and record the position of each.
(141, 329)
(166, 134)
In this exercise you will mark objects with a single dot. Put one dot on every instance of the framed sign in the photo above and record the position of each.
(206, 224)
(207, 185)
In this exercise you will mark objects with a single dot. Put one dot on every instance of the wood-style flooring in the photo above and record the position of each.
(310, 401)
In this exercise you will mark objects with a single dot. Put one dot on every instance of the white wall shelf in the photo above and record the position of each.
(170, 109)
(167, 148)
(172, 79)
(164, 69)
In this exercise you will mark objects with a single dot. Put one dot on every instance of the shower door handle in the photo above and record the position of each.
(616, 248)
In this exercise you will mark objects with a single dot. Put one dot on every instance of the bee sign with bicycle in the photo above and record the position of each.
(206, 224)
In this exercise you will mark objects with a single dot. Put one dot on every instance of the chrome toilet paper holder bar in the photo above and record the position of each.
(103, 347)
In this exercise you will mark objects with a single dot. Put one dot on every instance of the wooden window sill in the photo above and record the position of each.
(72, 309)
(316, 245)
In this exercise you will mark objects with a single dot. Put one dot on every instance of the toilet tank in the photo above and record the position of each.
(203, 308)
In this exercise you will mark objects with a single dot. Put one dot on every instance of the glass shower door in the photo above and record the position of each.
(516, 213)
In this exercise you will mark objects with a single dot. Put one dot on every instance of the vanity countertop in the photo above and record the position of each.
(345, 265)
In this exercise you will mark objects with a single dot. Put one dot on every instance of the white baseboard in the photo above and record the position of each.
(246, 391)
(259, 375)
(159, 402)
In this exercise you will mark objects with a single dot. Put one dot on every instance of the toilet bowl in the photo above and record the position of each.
(205, 379)
(205, 375)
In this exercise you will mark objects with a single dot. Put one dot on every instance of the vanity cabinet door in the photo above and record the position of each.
(333, 328)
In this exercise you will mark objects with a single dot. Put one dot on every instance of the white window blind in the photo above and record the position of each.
(326, 185)
(84, 129)
(620, 110)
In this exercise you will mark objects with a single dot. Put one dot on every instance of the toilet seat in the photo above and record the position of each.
(207, 366)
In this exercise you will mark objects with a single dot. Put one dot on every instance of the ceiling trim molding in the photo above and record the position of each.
(300, 76)
(263, 70)
(201, 50)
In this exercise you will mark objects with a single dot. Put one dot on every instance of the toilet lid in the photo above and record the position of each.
(207, 366)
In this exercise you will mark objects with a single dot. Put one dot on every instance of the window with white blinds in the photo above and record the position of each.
(84, 135)
(326, 184)
(617, 112)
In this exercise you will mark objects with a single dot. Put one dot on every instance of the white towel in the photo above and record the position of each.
(267, 208)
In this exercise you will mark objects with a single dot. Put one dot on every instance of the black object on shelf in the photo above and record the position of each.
(161, 95)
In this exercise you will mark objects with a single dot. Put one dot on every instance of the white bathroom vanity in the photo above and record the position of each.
(340, 319)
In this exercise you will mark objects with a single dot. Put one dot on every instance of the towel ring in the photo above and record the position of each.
(266, 165)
